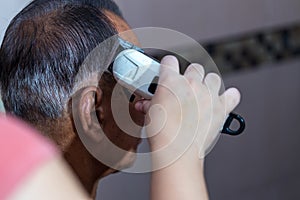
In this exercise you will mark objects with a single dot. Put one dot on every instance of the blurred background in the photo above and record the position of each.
(256, 45)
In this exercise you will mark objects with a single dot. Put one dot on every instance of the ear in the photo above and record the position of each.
(90, 112)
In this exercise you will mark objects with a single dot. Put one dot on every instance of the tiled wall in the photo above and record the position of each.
(248, 51)
(256, 49)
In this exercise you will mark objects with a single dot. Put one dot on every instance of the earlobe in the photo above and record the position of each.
(89, 105)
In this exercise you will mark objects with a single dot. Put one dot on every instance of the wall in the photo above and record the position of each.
(210, 19)
(262, 163)
(8, 10)
(203, 20)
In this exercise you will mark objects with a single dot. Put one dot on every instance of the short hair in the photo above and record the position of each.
(42, 51)
(109, 5)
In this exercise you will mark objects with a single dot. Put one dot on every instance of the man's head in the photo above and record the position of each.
(41, 55)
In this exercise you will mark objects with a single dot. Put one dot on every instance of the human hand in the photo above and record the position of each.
(186, 109)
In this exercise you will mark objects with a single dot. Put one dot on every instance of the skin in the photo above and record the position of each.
(185, 176)
(122, 27)
(88, 169)
(188, 169)
(42, 183)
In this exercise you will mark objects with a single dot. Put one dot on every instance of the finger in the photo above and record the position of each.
(213, 82)
(231, 98)
(196, 71)
(142, 106)
(168, 65)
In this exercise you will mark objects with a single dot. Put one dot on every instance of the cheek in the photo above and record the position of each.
(114, 132)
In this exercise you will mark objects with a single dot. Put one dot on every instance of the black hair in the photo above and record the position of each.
(109, 5)
(42, 51)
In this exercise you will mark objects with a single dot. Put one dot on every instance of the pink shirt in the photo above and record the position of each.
(22, 151)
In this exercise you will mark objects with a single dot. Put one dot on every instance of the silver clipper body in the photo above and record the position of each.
(139, 73)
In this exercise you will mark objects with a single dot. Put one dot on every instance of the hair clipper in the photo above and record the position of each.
(139, 73)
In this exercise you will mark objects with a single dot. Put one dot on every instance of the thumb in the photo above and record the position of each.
(142, 106)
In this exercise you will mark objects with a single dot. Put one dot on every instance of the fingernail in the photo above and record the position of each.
(169, 60)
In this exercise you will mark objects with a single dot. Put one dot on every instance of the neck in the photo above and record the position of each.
(88, 170)
(86, 167)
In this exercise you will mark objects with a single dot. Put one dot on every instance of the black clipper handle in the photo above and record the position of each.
(226, 128)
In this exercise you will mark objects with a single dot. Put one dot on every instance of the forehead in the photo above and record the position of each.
(122, 27)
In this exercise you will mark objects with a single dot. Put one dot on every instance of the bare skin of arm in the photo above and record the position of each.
(52, 180)
(184, 178)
